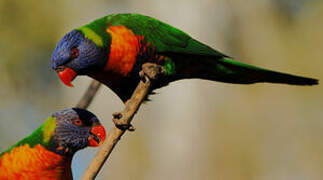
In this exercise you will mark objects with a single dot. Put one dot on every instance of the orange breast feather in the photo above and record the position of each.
(24, 162)
(123, 50)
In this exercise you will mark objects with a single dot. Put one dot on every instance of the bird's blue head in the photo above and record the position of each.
(77, 55)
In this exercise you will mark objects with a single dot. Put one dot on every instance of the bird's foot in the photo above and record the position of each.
(152, 70)
(120, 124)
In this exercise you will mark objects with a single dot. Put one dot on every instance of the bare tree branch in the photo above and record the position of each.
(115, 133)
(89, 95)
(122, 120)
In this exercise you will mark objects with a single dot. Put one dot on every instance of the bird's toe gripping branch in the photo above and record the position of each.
(152, 71)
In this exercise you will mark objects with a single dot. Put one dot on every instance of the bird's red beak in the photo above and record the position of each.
(67, 76)
(97, 135)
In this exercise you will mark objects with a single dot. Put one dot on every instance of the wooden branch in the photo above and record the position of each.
(89, 95)
(122, 120)
(115, 133)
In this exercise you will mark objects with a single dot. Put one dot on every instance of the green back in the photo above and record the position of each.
(164, 37)
(40, 136)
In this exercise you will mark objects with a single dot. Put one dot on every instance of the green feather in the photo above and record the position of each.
(96, 31)
(230, 71)
(40, 136)
(165, 38)
(169, 67)
(185, 56)
(90, 34)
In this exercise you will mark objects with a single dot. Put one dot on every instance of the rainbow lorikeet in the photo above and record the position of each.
(113, 49)
(47, 153)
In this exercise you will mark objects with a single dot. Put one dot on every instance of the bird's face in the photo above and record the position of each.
(76, 129)
(77, 55)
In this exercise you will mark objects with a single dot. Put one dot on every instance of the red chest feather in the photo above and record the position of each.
(24, 162)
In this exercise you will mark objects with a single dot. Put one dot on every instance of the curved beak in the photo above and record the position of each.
(97, 135)
(67, 75)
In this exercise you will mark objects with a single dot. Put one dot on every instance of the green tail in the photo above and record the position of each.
(230, 71)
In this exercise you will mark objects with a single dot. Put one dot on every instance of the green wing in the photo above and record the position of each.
(165, 38)
(168, 39)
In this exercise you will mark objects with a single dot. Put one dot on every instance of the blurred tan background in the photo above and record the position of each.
(191, 129)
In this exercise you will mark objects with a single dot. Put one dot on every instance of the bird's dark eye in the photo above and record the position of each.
(77, 122)
(74, 52)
